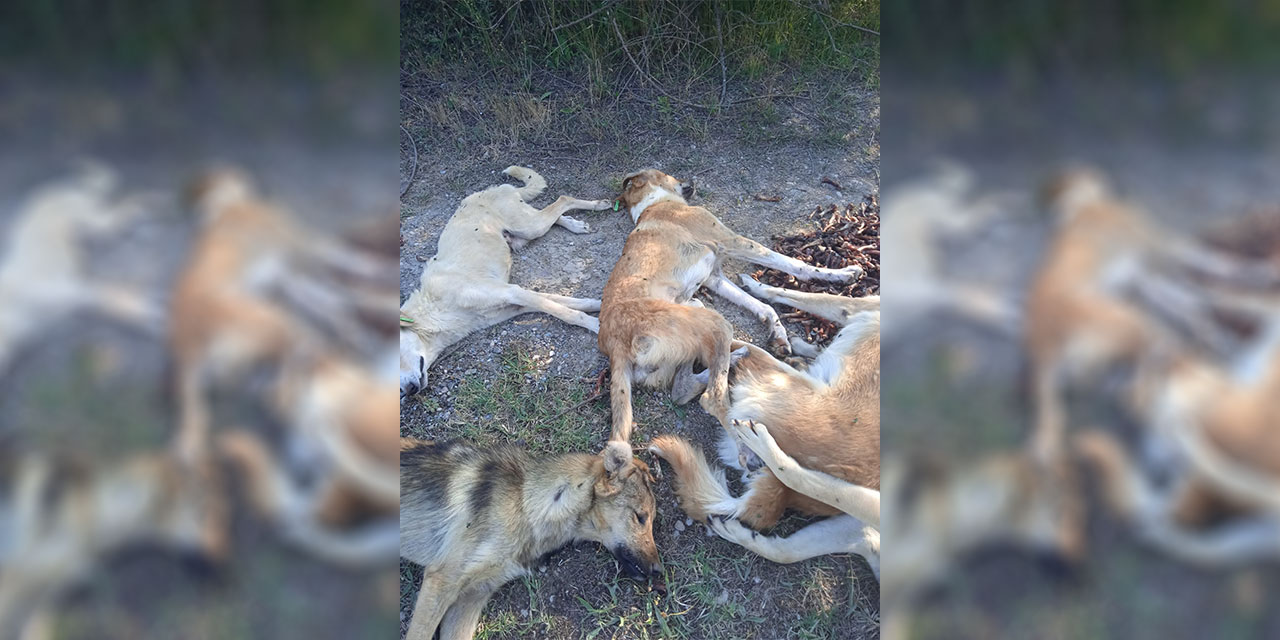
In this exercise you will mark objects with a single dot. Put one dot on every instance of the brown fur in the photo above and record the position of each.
(67, 516)
(647, 326)
(476, 519)
(829, 424)
(224, 320)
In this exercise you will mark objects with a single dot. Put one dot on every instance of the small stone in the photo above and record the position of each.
(679, 526)
(688, 522)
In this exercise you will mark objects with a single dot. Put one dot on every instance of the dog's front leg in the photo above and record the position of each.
(460, 621)
(435, 596)
(860, 502)
(756, 253)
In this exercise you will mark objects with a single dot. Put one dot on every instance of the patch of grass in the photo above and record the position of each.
(524, 404)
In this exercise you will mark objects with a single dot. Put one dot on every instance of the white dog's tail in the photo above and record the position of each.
(533, 183)
(701, 490)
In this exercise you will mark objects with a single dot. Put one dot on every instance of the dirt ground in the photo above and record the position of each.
(521, 380)
(958, 389)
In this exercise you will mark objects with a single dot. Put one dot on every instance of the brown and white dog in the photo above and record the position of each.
(1081, 319)
(817, 430)
(466, 286)
(231, 304)
(1211, 429)
(333, 489)
(650, 325)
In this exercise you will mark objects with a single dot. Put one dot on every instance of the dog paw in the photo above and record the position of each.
(755, 437)
(779, 345)
(751, 285)
(601, 205)
(730, 529)
(574, 225)
(847, 274)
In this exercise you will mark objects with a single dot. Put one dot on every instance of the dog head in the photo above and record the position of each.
(654, 185)
(1072, 188)
(214, 189)
(622, 511)
(413, 360)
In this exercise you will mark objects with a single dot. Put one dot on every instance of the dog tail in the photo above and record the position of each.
(533, 183)
(701, 490)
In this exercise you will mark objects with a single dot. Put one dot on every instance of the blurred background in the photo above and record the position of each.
(1133, 316)
(111, 114)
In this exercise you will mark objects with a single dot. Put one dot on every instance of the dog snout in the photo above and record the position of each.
(630, 564)
(410, 389)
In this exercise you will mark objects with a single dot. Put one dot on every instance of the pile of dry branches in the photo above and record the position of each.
(841, 237)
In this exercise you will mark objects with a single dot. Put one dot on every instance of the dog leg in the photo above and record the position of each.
(434, 598)
(127, 306)
(763, 312)
(861, 502)
(839, 534)
(837, 309)
(460, 621)
(803, 349)
(756, 253)
(534, 223)
(577, 304)
(534, 301)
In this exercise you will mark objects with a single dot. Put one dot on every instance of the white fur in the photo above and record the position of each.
(655, 195)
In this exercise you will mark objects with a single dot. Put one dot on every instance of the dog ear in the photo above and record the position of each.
(616, 459)
(626, 182)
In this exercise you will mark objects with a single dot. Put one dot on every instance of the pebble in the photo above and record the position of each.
(679, 526)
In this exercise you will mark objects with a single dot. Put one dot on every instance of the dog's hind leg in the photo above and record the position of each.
(577, 304)
(756, 253)
(127, 306)
(534, 223)
(460, 621)
(434, 598)
(841, 534)
(534, 301)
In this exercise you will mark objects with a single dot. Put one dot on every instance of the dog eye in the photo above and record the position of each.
(640, 517)
(422, 364)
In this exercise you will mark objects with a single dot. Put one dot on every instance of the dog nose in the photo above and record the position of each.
(411, 389)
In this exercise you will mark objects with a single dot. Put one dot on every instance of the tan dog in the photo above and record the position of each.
(466, 286)
(825, 420)
(43, 276)
(476, 519)
(344, 435)
(1213, 431)
(827, 417)
(1079, 320)
(650, 325)
(230, 308)
(61, 518)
